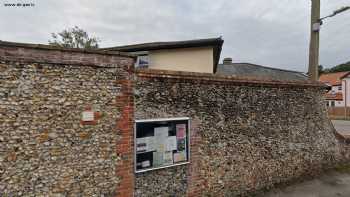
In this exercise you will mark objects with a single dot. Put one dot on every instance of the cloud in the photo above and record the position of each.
(269, 32)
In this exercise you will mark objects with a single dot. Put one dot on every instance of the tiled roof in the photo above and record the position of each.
(334, 96)
(260, 72)
(333, 79)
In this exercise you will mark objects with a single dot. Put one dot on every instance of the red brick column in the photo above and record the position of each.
(125, 150)
(195, 183)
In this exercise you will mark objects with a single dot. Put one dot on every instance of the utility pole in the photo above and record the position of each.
(314, 40)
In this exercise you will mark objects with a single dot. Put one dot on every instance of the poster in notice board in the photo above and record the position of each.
(161, 143)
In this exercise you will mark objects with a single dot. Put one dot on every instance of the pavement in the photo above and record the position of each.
(342, 127)
(331, 184)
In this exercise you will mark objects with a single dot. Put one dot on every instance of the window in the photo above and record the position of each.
(327, 103)
(161, 143)
(142, 61)
(332, 103)
(339, 88)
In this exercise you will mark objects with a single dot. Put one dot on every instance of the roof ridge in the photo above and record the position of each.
(164, 42)
(335, 73)
(299, 72)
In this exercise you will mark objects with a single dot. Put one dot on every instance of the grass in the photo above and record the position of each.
(344, 168)
(339, 118)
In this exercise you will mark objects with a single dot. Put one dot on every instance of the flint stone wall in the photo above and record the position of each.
(45, 150)
(246, 135)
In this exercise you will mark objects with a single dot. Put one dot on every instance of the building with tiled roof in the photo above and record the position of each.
(339, 93)
(250, 70)
(200, 55)
(203, 56)
(333, 79)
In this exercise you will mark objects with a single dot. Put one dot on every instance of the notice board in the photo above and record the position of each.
(161, 143)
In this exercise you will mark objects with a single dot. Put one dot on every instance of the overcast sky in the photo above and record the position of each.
(269, 32)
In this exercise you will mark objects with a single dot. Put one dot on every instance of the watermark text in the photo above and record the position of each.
(19, 5)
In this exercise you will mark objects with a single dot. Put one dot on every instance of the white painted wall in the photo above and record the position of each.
(198, 59)
(336, 103)
(346, 90)
(336, 89)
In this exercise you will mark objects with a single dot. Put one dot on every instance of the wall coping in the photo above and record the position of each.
(57, 48)
(216, 78)
(45, 54)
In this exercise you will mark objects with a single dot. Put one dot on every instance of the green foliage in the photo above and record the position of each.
(74, 38)
(340, 68)
(320, 70)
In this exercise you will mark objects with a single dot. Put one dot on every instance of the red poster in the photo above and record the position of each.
(180, 131)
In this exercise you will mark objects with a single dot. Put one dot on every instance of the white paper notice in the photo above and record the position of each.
(151, 145)
(168, 158)
(180, 156)
(157, 159)
(161, 132)
(146, 164)
(145, 144)
(160, 145)
(141, 144)
(88, 116)
(171, 143)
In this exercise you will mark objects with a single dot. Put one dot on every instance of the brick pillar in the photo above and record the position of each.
(195, 183)
(125, 150)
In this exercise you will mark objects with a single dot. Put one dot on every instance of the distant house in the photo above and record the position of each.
(339, 83)
(200, 55)
(257, 71)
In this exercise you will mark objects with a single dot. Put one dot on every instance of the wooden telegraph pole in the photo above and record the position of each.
(314, 40)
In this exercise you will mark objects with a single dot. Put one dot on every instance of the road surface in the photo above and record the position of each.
(331, 184)
(342, 126)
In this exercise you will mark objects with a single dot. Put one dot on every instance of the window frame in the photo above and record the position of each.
(188, 139)
(138, 59)
(332, 103)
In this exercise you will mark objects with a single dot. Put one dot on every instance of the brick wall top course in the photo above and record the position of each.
(205, 78)
(37, 53)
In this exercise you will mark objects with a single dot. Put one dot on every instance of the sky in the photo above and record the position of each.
(273, 33)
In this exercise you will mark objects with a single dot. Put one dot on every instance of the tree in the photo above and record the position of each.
(320, 70)
(74, 38)
(340, 68)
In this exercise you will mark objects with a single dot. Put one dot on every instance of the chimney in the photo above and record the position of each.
(227, 61)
